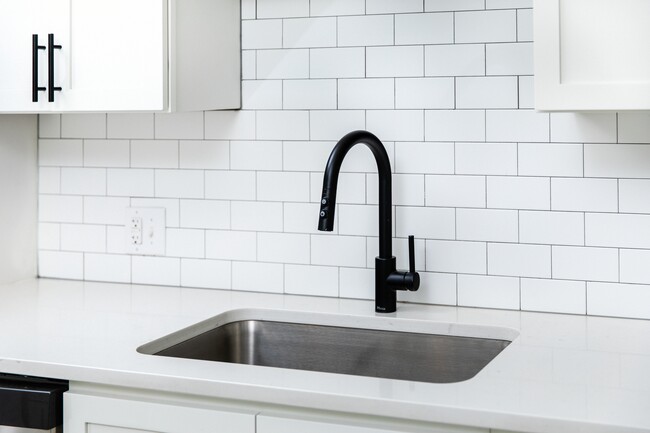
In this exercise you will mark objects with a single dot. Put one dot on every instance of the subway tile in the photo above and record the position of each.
(583, 127)
(309, 32)
(60, 208)
(424, 29)
(204, 154)
(309, 94)
(365, 31)
(230, 245)
(633, 195)
(282, 8)
(577, 194)
(185, 243)
(486, 26)
(49, 126)
(256, 155)
(456, 256)
(334, 124)
(230, 185)
(283, 247)
(408, 189)
(283, 125)
(455, 191)
(105, 210)
(334, 250)
(360, 159)
(302, 218)
(261, 94)
(550, 159)
(208, 274)
(435, 288)
(486, 92)
(357, 283)
(617, 160)
(65, 153)
(453, 5)
(357, 220)
(337, 7)
(106, 153)
(423, 222)
(107, 267)
(261, 34)
(431, 93)
(248, 9)
(311, 280)
(396, 125)
(508, 4)
(230, 125)
(519, 260)
(486, 158)
(395, 61)
(455, 125)
(59, 264)
(525, 25)
(366, 93)
(154, 153)
(187, 125)
(634, 127)
(305, 155)
(553, 296)
(283, 186)
(130, 125)
(248, 64)
(634, 267)
(205, 214)
(282, 64)
(557, 228)
(257, 216)
(425, 158)
(258, 277)
(163, 271)
(337, 62)
(487, 225)
(115, 236)
(618, 300)
(526, 92)
(130, 182)
(617, 230)
(509, 59)
(79, 237)
(518, 192)
(49, 180)
(454, 60)
(351, 188)
(171, 205)
(179, 183)
(488, 292)
(392, 6)
(49, 236)
(580, 263)
(83, 125)
(517, 125)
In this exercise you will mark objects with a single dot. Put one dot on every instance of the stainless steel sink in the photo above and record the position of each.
(335, 349)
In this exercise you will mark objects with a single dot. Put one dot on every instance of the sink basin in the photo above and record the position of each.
(256, 339)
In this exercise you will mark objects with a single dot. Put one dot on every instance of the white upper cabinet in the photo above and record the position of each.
(592, 55)
(119, 55)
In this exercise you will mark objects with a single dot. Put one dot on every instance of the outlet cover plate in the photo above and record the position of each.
(150, 240)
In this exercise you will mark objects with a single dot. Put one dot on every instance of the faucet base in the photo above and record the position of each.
(385, 296)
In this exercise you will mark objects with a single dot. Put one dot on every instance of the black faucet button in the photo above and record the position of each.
(323, 213)
(323, 201)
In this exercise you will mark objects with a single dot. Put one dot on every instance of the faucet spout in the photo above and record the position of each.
(387, 278)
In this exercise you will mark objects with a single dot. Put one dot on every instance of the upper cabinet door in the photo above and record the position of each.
(592, 55)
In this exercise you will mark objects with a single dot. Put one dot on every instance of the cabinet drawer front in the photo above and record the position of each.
(94, 414)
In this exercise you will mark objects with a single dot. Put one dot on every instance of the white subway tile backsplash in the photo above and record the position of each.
(435, 288)
(283, 125)
(486, 92)
(83, 181)
(360, 220)
(553, 296)
(83, 125)
(105, 210)
(261, 94)
(187, 125)
(392, 6)
(204, 154)
(79, 237)
(486, 158)
(408, 189)
(256, 216)
(576, 194)
(261, 34)
(357, 283)
(455, 125)
(49, 180)
(49, 236)
(49, 126)
(456, 256)
(282, 8)
(107, 267)
(367, 93)
(617, 230)
(60, 208)
(634, 127)
(154, 153)
(309, 94)
(185, 243)
(130, 125)
(282, 64)
(59, 264)
(60, 153)
(617, 160)
(550, 159)
(309, 32)
(258, 277)
(171, 205)
(583, 127)
(633, 195)
(454, 60)
(161, 271)
(283, 186)
(488, 291)
(453, 5)
(396, 125)
(634, 267)
(455, 191)
(230, 125)
(580, 263)
(311, 280)
(431, 93)
(337, 62)
(333, 250)
(351, 189)
(205, 214)
(487, 225)
(425, 158)
(424, 29)
(486, 26)
(363, 31)
(116, 240)
(509, 59)
(395, 61)
(516, 125)
(230, 245)
(207, 274)
(519, 260)
(518, 192)
(256, 155)
(526, 92)
(618, 300)
(332, 125)
(508, 4)
(553, 228)
(283, 247)
(106, 153)
(230, 185)
(337, 7)
(248, 64)
(179, 183)
(425, 222)
(305, 155)
(525, 25)
(302, 218)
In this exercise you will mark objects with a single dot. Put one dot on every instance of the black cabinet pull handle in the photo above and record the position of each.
(35, 87)
(50, 67)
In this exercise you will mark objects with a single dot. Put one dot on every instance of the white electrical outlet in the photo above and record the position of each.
(145, 231)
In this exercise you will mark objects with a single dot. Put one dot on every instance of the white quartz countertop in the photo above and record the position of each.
(561, 373)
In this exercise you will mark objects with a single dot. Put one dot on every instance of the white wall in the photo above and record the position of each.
(18, 187)
(511, 208)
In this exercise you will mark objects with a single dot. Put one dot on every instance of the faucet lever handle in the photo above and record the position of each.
(411, 253)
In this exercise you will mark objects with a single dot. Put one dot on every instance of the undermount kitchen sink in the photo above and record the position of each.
(366, 346)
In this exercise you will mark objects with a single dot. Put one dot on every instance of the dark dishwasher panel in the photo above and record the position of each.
(31, 402)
